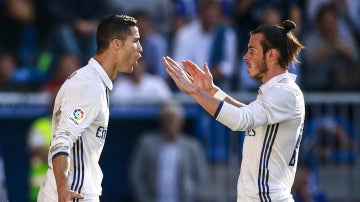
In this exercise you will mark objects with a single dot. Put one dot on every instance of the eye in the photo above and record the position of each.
(251, 51)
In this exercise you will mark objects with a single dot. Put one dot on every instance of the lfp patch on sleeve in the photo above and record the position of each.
(77, 116)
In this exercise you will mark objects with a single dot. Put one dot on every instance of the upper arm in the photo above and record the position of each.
(78, 109)
(276, 106)
(80, 106)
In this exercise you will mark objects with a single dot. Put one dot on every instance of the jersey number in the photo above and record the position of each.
(294, 155)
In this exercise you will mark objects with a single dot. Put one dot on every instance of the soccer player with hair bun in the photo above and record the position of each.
(273, 122)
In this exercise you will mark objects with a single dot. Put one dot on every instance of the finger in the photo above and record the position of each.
(170, 71)
(193, 67)
(206, 69)
(169, 67)
(173, 77)
(176, 69)
(189, 75)
(188, 67)
(165, 62)
(173, 63)
(76, 195)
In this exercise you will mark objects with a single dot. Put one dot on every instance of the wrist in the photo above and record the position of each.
(213, 90)
(219, 94)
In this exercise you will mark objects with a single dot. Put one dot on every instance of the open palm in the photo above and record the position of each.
(200, 78)
(181, 78)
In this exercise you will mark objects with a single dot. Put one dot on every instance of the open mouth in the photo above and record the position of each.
(137, 60)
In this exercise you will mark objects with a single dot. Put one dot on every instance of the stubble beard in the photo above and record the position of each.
(263, 69)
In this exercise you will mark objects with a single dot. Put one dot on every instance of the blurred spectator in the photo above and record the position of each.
(184, 12)
(305, 187)
(159, 11)
(8, 67)
(17, 34)
(65, 65)
(208, 39)
(140, 87)
(39, 136)
(348, 11)
(332, 143)
(3, 187)
(168, 165)
(245, 20)
(187, 10)
(19, 37)
(74, 26)
(331, 53)
(153, 43)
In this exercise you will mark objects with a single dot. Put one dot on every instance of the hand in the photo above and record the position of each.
(181, 78)
(200, 78)
(69, 196)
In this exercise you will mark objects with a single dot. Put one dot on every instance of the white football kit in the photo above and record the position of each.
(79, 126)
(274, 123)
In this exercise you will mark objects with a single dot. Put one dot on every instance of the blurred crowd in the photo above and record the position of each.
(43, 41)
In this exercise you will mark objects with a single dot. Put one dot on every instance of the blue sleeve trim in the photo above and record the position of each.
(58, 154)
(218, 109)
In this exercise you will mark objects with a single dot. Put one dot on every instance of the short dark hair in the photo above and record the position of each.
(280, 38)
(113, 27)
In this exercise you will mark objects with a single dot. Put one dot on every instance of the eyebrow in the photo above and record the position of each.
(250, 47)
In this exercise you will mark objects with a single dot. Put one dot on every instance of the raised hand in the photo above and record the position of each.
(200, 78)
(182, 79)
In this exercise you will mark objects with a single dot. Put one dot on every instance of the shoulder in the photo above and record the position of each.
(282, 98)
(84, 85)
(280, 93)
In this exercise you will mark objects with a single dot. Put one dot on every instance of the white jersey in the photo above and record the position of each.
(80, 120)
(274, 123)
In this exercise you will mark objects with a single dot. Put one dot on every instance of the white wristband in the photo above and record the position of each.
(221, 95)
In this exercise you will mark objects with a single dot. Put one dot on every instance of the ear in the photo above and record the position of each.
(272, 56)
(117, 44)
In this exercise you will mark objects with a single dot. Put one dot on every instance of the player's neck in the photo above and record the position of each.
(272, 72)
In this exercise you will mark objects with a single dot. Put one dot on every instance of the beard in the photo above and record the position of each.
(262, 70)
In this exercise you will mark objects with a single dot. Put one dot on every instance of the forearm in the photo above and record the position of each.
(61, 169)
(206, 100)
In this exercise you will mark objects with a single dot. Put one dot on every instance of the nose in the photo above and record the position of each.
(140, 48)
(246, 57)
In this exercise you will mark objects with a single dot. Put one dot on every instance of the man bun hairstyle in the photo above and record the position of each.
(288, 25)
(279, 37)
